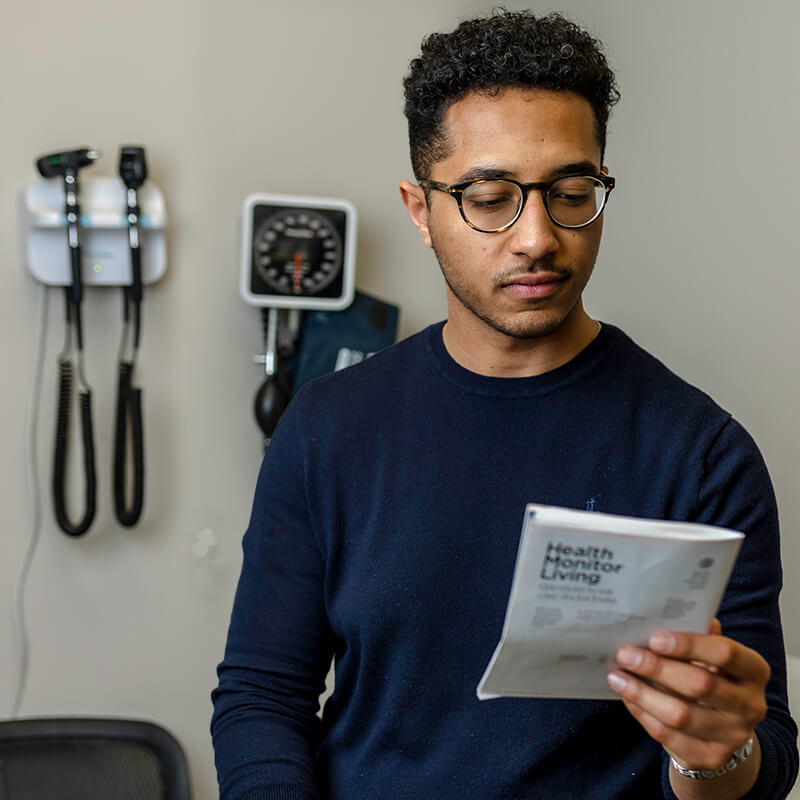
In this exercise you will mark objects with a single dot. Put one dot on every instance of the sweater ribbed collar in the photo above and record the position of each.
(473, 383)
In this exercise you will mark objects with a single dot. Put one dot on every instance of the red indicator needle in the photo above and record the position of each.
(298, 271)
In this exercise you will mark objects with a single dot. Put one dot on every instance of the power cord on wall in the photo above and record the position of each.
(34, 499)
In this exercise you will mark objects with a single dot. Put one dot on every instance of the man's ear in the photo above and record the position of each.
(414, 199)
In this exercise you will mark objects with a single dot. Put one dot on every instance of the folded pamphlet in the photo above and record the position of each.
(586, 583)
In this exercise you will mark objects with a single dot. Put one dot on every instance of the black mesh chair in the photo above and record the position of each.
(90, 759)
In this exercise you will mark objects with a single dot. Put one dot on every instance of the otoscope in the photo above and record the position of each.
(66, 165)
(133, 171)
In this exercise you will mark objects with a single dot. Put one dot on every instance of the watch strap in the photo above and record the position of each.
(737, 757)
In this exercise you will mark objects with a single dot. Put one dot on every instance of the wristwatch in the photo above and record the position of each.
(738, 757)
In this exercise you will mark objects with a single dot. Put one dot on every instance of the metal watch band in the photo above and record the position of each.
(738, 757)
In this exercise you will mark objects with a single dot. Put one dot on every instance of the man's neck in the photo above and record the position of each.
(490, 352)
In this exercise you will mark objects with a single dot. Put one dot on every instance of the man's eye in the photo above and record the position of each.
(488, 201)
(572, 191)
(571, 198)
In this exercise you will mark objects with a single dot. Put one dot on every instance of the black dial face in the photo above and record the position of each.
(297, 252)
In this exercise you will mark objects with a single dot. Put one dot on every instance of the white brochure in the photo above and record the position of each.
(586, 583)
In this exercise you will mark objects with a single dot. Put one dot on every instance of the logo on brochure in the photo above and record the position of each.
(563, 562)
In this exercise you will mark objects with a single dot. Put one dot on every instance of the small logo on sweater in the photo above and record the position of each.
(591, 504)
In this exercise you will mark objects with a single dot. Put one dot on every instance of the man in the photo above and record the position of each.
(387, 514)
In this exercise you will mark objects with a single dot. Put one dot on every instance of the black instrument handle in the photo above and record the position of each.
(129, 409)
(136, 293)
(60, 457)
(136, 272)
(76, 289)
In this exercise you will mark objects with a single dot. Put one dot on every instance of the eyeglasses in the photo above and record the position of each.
(493, 206)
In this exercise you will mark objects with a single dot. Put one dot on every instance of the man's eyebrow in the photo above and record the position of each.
(485, 173)
(577, 168)
(488, 173)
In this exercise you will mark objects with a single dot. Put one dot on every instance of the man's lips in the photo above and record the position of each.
(534, 285)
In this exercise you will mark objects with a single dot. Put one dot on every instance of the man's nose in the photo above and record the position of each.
(534, 233)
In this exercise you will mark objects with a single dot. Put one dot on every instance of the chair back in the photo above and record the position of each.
(90, 759)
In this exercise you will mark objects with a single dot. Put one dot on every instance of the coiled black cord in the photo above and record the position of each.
(61, 448)
(129, 410)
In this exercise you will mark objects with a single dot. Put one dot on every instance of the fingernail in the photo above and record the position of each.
(616, 681)
(662, 642)
(629, 657)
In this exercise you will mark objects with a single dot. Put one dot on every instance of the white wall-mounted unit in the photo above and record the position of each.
(105, 248)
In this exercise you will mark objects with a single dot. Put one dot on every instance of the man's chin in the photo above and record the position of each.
(526, 329)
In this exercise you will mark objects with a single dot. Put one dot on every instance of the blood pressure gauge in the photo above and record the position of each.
(298, 252)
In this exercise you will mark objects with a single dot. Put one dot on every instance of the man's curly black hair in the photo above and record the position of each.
(487, 54)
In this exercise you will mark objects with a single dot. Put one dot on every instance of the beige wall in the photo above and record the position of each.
(699, 264)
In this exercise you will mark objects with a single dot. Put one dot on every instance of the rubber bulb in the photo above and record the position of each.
(270, 402)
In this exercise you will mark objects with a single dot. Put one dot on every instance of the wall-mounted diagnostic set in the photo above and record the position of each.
(100, 231)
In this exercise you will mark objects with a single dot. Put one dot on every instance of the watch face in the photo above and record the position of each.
(297, 252)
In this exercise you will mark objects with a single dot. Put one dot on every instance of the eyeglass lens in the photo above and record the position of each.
(572, 201)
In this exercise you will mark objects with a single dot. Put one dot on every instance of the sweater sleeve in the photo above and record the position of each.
(265, 727)
(736, 492)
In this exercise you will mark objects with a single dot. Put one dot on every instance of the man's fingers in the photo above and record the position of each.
(689, 750)
(699, 695)
(670, 713)
(734, 659)
(690, 681)
(696, 683)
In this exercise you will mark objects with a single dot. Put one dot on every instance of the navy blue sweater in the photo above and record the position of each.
(384, 534)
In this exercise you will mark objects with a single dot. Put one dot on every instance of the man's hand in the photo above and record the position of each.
(699, 695)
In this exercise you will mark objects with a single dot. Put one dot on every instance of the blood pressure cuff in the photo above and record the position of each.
(331, 340)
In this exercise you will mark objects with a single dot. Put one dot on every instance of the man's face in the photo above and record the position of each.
(525, 282)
